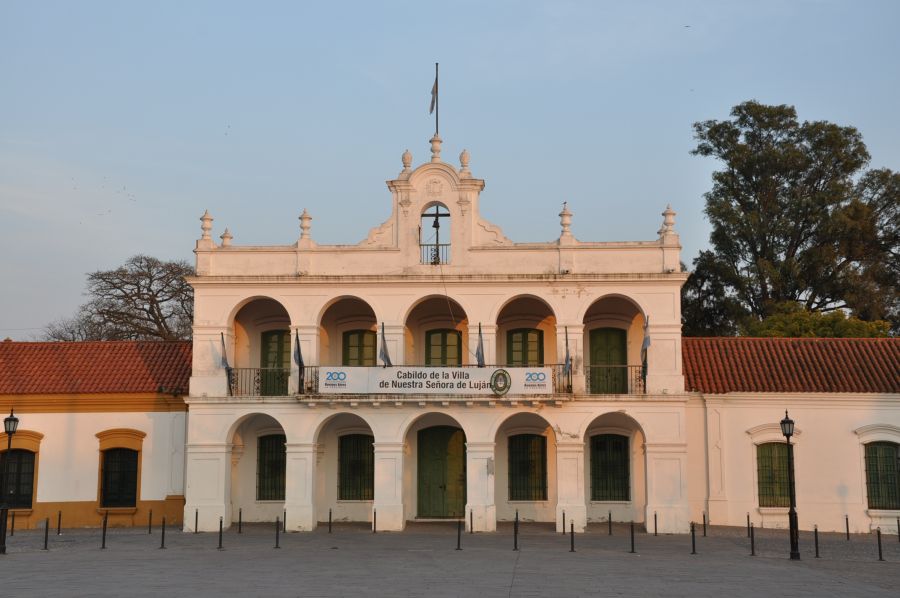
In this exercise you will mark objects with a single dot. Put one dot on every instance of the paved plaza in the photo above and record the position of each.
(422, 560)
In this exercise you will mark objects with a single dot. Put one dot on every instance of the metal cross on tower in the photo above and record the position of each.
(437, 214)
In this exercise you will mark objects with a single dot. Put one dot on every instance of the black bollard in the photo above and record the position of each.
(150, 522)
(704, 524)
(693, 540)
(748, 525)
(878, 533)
(220, 533)
(374, 521)
(196, 519)
(277, 532)
(572, 535)
(516, 532)
(329, 521)
(632, 536)
(654, 524)
(471, 521)
(752, 542)
(284, 521)
(458, 534)
(564, 523)
(12, 526)
(847, 526)
(898, 529)
(609, 523)
(103, 542)
(816, 539)
(46, 532)
(162, 534)
(59, 523)
(241, 520)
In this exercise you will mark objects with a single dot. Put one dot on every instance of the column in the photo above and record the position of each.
(395, 335)
(489, 336)
(388, 501)
(576, 352)
(481, 512)
(208, 488)
(667, 491)
(207, 372)
(300, 486)
(570, 484)
(309, 350)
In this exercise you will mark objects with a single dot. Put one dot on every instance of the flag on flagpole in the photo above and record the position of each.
(434, 94)
(383, 354)
(479, 351)
(298, 359)
(567, 367)
(225, 365)
(645, 346)
(224, 354)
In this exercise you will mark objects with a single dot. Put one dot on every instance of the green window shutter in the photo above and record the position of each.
(19, 477)
(356, 467)
(275, 362)
(118, 486)
(359, 348)
(271, 458)
(610, 468)
(883, 475)
(772, 474)
(527, 467)
(443, 347)
(525, 347)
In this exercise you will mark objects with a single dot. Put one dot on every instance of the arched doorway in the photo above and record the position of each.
(525, 466)
(345, 469)
(437, 477)
(437, 333)
(258, 469)
(348, 334)
(526, 333)
(613, 334)
(615, 469)
(262, 350)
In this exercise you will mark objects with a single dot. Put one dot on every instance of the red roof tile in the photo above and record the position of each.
(736, 364)
(94, 367)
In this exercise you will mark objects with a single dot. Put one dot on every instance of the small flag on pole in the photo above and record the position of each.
(383, 354)
(298, 359)
(224, 354)
(434, 92)
(225, 365)
(645, 346)
(479, 351)
(567, 367)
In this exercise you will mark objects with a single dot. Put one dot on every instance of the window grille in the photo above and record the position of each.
(119, 479)
(525, 347)
(610, 468)
(772, 474)
(270, 466)
(883, 475)
(356, 467)
(19, 478)
(360, 348)
(527, 467)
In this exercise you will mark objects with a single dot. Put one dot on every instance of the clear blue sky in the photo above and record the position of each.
(120, 122)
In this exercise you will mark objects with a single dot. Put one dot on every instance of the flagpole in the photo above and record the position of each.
(437, 95)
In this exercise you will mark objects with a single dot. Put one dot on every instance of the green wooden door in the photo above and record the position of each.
(441, 472)
(275, 363)
(609, 372)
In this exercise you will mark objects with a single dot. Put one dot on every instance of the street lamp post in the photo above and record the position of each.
(787, 428)
(9, 426)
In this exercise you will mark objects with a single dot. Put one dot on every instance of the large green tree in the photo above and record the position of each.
(796, 220)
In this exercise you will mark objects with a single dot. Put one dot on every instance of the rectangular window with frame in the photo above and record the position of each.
(527, 467)
(525, 347)
(359, 348)
(883, 475)
(356, 467)
(443, 348)
(610, 468)
(772, 474)
(271, 461)
(119, 478)
(19, 485)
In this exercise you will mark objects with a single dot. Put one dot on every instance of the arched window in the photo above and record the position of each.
(527, 467)
(443, 347)
(772, 474)
(434, 235)
(883, 475)
(356, 467)
(119, 478)
(359, 348)
(271, 461)
(525, 347)
(19, 478)
(610, 468)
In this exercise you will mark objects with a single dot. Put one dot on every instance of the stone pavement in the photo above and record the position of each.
(422, 561)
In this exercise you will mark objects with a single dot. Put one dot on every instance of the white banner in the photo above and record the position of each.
(436, 380)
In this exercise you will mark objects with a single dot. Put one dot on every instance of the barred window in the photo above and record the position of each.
(527, 467)
(270, 467)
(883, 475)
(19, 478)
(525, 347)
(772, 474)
(610, 468)
(119, 478)
(356, 467)
(359, 348)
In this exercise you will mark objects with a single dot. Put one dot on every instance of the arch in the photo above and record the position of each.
(522, 483)
(330, 418)
(430, 313)
(417, 302)
(340, 315)
(249, 456)
(439, 417)
(348, 497)
(340, 298)
(498, 309)
(524, 314)
(233, 427)
(232, 314)
(617, 423)
(27, 440)
(612, 296)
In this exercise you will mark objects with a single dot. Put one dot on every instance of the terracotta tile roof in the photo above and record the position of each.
(727, 364)
(94, 367)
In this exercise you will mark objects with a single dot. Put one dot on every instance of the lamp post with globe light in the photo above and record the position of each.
(787, 428)
(9, 426)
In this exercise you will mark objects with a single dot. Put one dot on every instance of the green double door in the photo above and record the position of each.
(275, 363)
(609, 359)
(441, 472)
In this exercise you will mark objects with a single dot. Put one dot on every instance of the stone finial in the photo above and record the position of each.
(436, 148)
(226, 238)
(205, 225)
(464, 163)
(668, 226)
(565, 221)
(407, 160)
(305, 220)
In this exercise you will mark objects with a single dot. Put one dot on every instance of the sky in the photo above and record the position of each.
(121, 122)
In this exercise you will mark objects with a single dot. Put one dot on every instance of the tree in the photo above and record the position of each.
(143, 299)
(795, 219)
(792, 320)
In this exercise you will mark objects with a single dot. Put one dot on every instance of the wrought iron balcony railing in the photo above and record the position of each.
(434, 254)
(614, 379)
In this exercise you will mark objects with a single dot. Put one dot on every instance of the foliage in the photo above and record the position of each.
(795, 219)
(793, 320)
(143, 299)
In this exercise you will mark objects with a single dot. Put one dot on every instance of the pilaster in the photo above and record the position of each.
(570, 485)
(300, 486)
(388, 500)
(481, 511)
